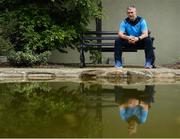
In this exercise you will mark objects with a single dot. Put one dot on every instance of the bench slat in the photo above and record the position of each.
(110, 44)
(101, 33)
(98, 44)
(111, 49)
(100, 38)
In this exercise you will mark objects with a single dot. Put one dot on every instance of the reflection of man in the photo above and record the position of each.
(134, 105)
(134, 112)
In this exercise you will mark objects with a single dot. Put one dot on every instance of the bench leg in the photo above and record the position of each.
(82, 58)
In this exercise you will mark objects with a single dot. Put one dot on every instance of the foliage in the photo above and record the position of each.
(40, 109)
(95, 56)
(34, 105)
(36, 27)
(28, 58)
(5, 46)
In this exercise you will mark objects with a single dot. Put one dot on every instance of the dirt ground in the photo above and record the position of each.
(50, 65)
(172, 66)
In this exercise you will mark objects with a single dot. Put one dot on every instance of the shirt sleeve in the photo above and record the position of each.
(122, 113)
(122, 27)
(144, 25)
(143, 117)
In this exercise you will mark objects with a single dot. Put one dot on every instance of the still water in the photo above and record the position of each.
(65, 109)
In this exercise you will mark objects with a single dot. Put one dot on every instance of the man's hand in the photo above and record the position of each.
(132, 39)
(144, 105)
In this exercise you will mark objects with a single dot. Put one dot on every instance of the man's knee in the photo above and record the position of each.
(118, 42)
(148, 41)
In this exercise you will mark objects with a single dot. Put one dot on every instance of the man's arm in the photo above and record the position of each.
(123, 106)
(130, 39)
(121, 32)
(123, 36)
(133, 39)
(144, 105)
(122, 111)
(144, 112)
(144, 30)
(143, 35)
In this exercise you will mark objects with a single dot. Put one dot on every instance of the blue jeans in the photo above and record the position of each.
(146, 42)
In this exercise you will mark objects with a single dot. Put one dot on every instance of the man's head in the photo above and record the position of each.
(131, 12)
(132, 125)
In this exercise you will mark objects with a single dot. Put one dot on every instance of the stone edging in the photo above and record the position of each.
(106, 74)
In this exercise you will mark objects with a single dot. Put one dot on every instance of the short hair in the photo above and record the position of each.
(131, 6)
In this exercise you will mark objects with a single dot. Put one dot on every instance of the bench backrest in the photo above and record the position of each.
(103, 41)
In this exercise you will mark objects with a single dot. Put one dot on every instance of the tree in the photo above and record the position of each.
(35, 27)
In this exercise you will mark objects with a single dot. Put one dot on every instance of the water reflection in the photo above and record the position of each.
(88, 110)
(134, 105)
(49, 110)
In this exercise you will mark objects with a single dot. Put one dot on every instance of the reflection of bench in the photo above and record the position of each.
(120, 93)
(146, 95)
(103, 42)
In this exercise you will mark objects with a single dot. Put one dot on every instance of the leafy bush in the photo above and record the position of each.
(5, 46)
(95, 56)
(21, 58)
(35, 27)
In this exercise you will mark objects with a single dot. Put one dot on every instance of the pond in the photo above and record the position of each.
(66, 109)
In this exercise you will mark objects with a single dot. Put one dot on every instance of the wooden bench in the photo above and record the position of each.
(104, 42)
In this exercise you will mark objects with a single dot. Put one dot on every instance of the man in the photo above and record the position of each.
(133, 32)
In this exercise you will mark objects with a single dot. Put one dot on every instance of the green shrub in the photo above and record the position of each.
(21, 58)
(5, 46)
(35, 27)
(95, 56)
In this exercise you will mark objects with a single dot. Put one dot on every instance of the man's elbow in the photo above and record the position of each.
(120, 34)
(146, 34)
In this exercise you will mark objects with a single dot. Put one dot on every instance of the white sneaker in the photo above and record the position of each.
(121, 67)
(148, 65)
